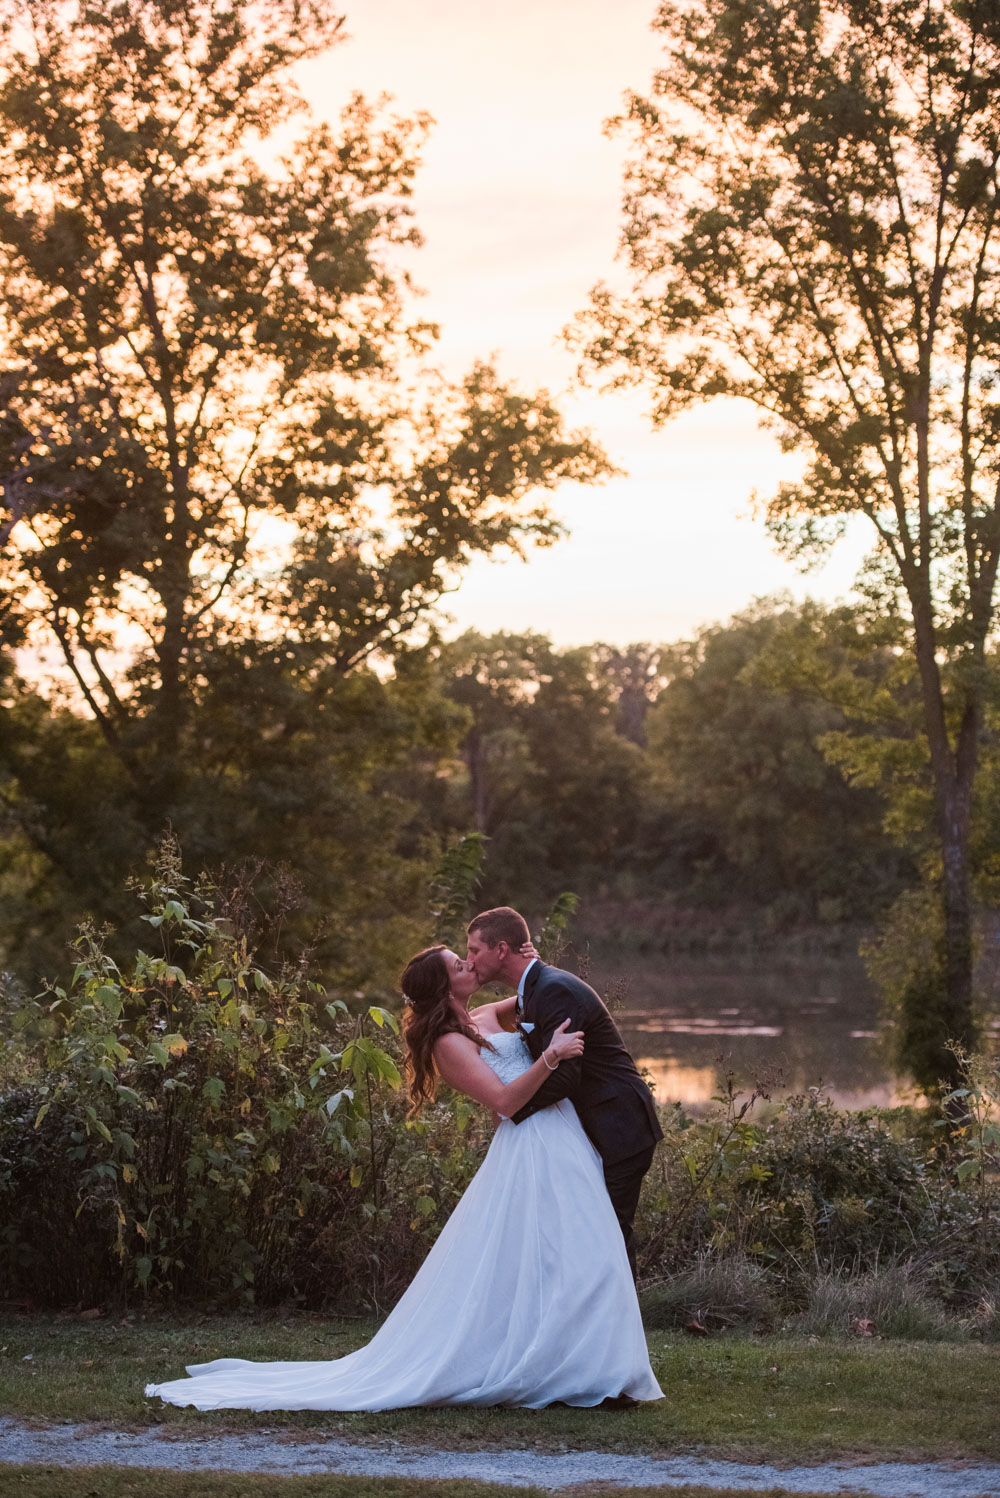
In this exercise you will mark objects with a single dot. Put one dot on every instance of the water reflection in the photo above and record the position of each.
(672, 1081)
(798, 1023)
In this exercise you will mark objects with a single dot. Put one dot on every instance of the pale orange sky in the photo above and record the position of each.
(518, 201)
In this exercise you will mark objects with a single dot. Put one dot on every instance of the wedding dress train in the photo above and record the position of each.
(525, 1298)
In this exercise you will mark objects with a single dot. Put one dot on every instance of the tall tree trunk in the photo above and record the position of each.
(476, 760)
(959, 1019)
(953, 771)
(170, 711)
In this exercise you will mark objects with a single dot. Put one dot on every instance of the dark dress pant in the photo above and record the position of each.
(624, 1182)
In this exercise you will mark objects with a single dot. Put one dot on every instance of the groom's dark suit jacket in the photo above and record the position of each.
(614, 1103)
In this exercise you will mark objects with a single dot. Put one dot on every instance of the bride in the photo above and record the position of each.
(526, 1297)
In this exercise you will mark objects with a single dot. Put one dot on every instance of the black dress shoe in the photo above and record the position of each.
(618, 1402)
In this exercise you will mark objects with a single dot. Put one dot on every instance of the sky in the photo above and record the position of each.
(518, 201)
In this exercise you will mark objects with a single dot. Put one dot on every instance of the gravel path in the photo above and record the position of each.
(273, 1452)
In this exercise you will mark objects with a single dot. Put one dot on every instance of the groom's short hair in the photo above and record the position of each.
(501, 924)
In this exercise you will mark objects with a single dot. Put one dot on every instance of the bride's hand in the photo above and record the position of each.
(529, 949)
(564, 1043)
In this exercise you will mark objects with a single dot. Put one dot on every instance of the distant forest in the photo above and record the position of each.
(741, 777)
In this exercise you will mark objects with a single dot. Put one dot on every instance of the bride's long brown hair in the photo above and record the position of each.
(429, 1014)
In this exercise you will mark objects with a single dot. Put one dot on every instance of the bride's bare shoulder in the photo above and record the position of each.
(453, 1040)
(456, 1057)
(453, 1045)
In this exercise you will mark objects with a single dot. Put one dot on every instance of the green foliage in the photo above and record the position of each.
(811, 226)
(197, 1124)
(542, 769)
(189, 1123)
(287, 799)
(976, 1134)
(222, 496)
(745, 805)
(455, 881)
(904, 962)
(685, 769)
(809, 208)
(838, 1190)
(553, 933)
(814, 1198)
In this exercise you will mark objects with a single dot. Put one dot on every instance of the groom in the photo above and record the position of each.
(614, 1103)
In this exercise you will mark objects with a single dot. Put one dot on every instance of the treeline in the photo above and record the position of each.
(698, 774)
(691, 772)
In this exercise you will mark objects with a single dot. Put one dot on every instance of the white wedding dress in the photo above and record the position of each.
(525, 1298)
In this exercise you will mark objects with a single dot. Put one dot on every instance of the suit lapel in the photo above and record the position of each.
(529, 988)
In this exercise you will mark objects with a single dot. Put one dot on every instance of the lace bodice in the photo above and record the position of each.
(510, 1057)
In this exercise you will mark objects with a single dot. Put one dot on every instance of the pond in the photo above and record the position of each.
(799, 1022)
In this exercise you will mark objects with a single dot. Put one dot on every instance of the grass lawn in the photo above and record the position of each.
(112, 1482)
(776, 1398)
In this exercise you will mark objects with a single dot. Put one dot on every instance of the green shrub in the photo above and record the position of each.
(838, 1191)
(824, 1203)
(193, 1125)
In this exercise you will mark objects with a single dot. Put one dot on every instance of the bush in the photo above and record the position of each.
(193, 1126)
(839, 1191)
(888, 1216)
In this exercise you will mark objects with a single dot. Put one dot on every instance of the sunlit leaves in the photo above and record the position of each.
(811, 224)
(196, 343)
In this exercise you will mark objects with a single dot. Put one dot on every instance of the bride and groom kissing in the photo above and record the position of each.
(527, 1298)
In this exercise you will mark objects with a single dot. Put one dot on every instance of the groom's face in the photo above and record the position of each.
(487, 961)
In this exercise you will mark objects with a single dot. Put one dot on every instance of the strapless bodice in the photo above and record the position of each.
(510, 1056)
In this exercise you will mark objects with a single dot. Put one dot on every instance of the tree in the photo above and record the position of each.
(542, 769)
(635, 676)
(740, 743)
(228, 477)
(194, 344)
(812, 226)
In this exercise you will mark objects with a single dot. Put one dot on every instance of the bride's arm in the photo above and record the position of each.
(458, 1060)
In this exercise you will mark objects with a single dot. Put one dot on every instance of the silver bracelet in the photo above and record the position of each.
(551, 1068)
